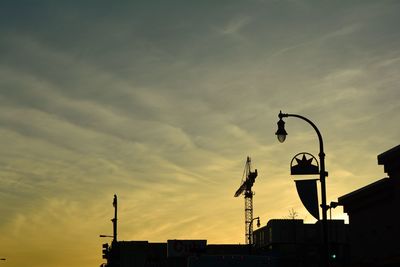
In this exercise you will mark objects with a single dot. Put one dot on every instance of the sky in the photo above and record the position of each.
(160, 102)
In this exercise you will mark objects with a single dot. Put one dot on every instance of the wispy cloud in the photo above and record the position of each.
(235, 26)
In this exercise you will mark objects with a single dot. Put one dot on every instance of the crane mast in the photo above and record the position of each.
(247, 182)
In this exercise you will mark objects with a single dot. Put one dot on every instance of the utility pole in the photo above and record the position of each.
(114, 220)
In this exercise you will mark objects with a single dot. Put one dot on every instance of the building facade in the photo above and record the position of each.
(374, 219)
(293, 243)
(182, 253)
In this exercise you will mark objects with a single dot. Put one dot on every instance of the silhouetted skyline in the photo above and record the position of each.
(160, 102)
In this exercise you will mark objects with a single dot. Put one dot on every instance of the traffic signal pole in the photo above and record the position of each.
(114, 220)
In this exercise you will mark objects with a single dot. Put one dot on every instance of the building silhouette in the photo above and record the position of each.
(374, 218)
(181, 253)
(371, 239)
(295, 243)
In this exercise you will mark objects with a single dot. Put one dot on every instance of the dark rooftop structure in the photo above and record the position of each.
(374, 219)
(295, 243)
(390, 161)
(182, 253)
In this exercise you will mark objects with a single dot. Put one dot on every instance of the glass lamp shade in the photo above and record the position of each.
(281, 132)
(281, 137)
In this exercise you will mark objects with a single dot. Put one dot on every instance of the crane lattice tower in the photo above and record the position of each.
(247, 182)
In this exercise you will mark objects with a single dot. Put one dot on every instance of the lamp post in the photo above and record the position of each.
(331, 206)
(281, 134)
(250, 237)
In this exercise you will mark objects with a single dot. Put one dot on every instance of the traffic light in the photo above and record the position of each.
(334, 251)
(105, 251)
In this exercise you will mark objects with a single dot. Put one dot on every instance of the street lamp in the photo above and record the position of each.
(250, 237)
(250, 224)
(281, 134)
(331, 206)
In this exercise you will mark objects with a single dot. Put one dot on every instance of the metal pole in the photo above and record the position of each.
(115, 204)
(322, 176)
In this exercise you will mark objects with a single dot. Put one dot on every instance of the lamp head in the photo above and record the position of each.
(281, 132)
(258, 222)
(334, 204)
(105, 236)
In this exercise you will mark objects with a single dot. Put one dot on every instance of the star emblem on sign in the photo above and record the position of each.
(304, 164)
(304, 161)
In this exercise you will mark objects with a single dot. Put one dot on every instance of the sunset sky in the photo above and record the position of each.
(160, 102)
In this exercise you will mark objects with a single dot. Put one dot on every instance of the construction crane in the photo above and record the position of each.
(246, 184)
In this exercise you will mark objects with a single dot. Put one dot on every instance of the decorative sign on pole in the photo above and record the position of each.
(307, 190)
(304, 164)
